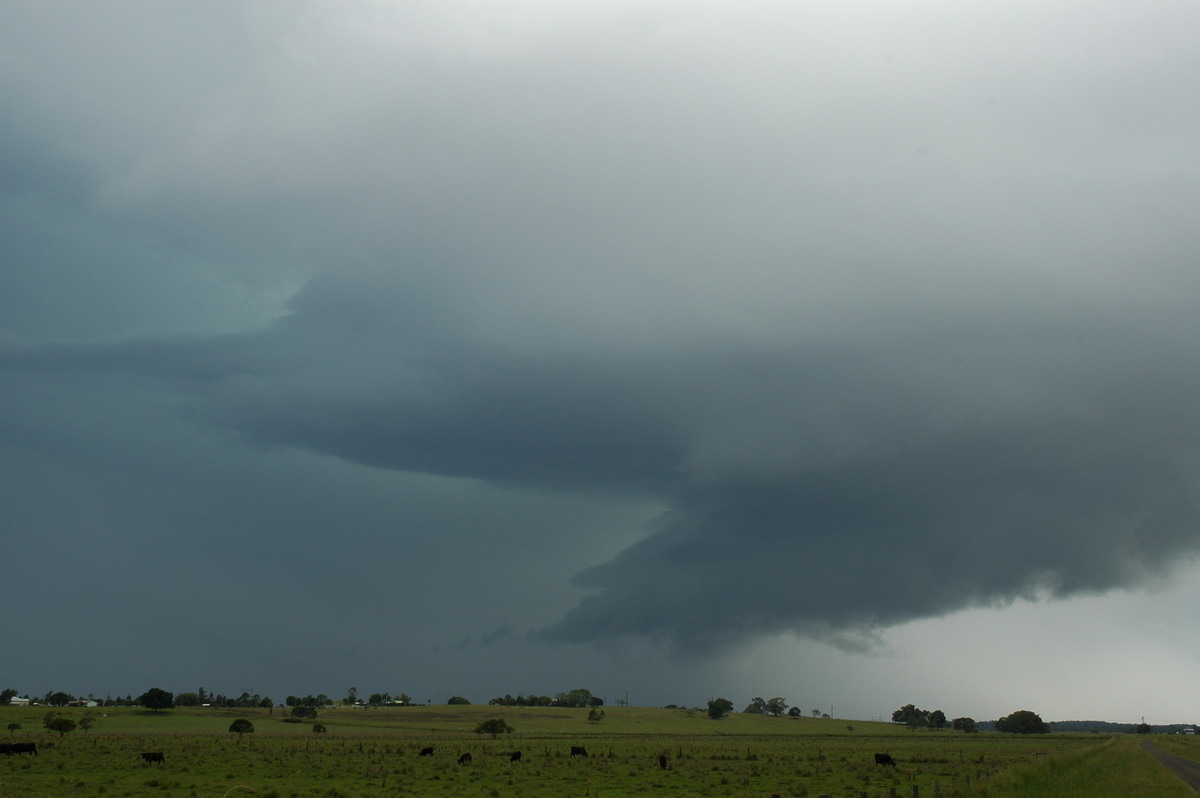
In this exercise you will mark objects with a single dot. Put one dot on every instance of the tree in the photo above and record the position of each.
(304, 712)
(188, 700)
(719, 707)
(595, 715)
(57, 699)
(757, 706)
(60, 724)
(318, 728)
(241, 726)
(156, 699)
(1022, 722)
(911, 716)
(6, 696)
(13, 727)
(937, 719)
(87, 721)
(494, 727)
(966, 725)
(795, 712)
(578, 698)
(776, 706)
(457, 699)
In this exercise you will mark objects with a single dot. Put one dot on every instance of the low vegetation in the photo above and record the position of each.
(363, 754)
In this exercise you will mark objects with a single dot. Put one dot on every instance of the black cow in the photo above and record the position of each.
(515, 756)
(426, 751)
(885, 759)
(578, 750)
(6, 749)
(153, 756)
(24, 748)
(662, 761)
(465, 759)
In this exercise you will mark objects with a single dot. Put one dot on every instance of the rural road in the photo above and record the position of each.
(1186, 769)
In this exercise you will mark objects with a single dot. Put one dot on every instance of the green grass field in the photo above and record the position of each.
(374, 752)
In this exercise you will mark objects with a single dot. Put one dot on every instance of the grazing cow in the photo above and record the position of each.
(24, 748)
(515, 756)
(465, 759)
(6, 749)
(578, 750)
(153, 756)
(427, 751)
(885, 759)
(662, 761)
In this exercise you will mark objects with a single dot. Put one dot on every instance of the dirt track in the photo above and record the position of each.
(1186, 769)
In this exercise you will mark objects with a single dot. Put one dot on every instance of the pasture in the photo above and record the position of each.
(367, 753)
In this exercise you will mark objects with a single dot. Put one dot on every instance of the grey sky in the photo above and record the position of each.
(684, 349)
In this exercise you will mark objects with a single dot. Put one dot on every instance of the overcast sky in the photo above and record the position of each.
(839, 351)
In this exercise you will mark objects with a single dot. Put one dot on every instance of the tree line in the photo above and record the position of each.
(575, 698)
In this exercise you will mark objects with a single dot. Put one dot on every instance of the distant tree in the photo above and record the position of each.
(58, 699)
(304, 712)
(757, 706)
(60, 724)
(1022, 722)
(457, 699)
(187, 700)
(494, 727)
(1143, 728)
(578, 698)
(816, 713)
(351, 697)
(719, 707)
(375, 699)
(87, 721)
(13, 727)
(241, 726)
(6, 696)
(937, 719)
(966, 725)
(911, 716)
(795, 712)
(318, 728)
(156, 699)
(595, 715)
(776, 706)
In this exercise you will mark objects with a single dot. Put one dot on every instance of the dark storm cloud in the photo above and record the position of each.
(830, 489)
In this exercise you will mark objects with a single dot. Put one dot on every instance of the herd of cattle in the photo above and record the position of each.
(152, 757)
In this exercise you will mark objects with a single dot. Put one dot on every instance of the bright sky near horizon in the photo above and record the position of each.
(839, 351)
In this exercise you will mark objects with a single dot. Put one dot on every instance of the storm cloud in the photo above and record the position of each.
(887, 311)
(831, 485)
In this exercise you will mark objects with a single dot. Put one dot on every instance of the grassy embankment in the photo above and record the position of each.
(369, 753)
